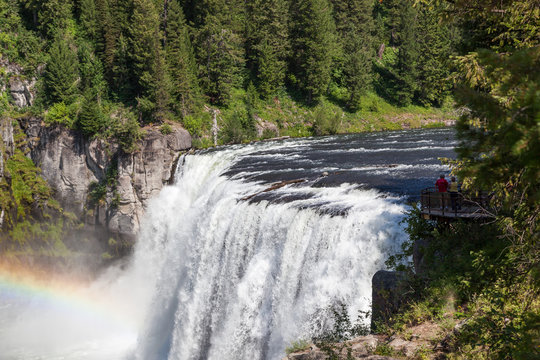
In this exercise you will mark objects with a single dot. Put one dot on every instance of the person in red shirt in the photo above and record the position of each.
(442, 186)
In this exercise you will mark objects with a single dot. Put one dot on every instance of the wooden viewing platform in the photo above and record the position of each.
(435, 205)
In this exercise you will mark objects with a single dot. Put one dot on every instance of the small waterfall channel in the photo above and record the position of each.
(226, 270)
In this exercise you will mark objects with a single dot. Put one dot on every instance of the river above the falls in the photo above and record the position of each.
(225, 268)
(398, 162)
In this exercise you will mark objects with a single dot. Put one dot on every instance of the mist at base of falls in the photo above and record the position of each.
(217, 277)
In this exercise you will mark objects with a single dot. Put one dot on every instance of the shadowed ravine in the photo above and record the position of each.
(218, 277)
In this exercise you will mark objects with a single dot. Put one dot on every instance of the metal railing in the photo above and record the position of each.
(460, 204)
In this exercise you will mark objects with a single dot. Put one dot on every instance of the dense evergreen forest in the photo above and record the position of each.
(149, 62)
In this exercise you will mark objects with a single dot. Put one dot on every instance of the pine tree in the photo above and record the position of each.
(54, 17)
(149, 69)
(354, 23)
(181, 62)
(432, 67)
(114, 48)
(61, 73)
(405, 69)
(89, 19)
(91, 119)
(107, 35)
(91, 70)
(220, 48)
(313, 46)
(267, 43)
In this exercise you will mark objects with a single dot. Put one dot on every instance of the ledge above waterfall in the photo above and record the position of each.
(71, 163)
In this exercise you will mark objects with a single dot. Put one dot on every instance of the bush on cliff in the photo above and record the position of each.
(33, 219)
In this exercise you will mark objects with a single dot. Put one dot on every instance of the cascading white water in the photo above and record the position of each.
(217, 277)
(232, 279)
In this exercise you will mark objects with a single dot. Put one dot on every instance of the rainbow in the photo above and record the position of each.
(72, 296)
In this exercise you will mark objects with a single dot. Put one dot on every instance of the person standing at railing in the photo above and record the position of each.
(442, 186)
(453, 189)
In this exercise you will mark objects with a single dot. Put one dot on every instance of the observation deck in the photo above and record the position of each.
(469, 205)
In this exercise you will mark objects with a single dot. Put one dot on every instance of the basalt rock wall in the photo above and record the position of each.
(102, 185)
(75, 166)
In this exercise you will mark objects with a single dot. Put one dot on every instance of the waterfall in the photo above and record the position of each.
(231, 279)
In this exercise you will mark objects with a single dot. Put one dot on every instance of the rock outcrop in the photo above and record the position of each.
(362, 347)
(19, 86)
(73, 164)
(420, 246)
(387, 295)
(142, 174)
(6, 150)
(418, 342)
(265, 128)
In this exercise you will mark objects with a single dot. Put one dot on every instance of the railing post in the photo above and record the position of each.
(442, 202)
(429, 202)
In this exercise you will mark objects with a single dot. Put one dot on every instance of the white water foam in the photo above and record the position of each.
(229, 279)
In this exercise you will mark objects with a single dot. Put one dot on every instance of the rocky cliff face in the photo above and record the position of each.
(142, 174)
(19, 86)
(6, 150)
(92, 178)
(74, 165)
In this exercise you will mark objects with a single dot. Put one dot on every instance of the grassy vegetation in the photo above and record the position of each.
(245, 120)
(297, 346)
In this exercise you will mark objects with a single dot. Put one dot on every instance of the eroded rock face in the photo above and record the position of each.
(6, 150)
(141, 176)
(22, 91)
(20, 88)
(72, 164)
(64, 158)
(6, 142)
(387, 294)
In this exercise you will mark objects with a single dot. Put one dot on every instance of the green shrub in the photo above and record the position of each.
(33, 219)
(125, 129)
(166, 129)
(268, 134)
(297, 130)
(434, 125)
(97, 192)
(383, 349)
(197, 124)
(239, 126)
(202, 143)
(297, 346)
(59, 113)
(326, 121)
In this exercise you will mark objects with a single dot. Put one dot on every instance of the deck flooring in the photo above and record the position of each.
(464, 213)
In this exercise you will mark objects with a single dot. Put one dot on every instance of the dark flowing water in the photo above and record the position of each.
(400, 162)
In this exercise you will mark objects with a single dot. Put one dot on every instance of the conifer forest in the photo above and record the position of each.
(173, 60)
